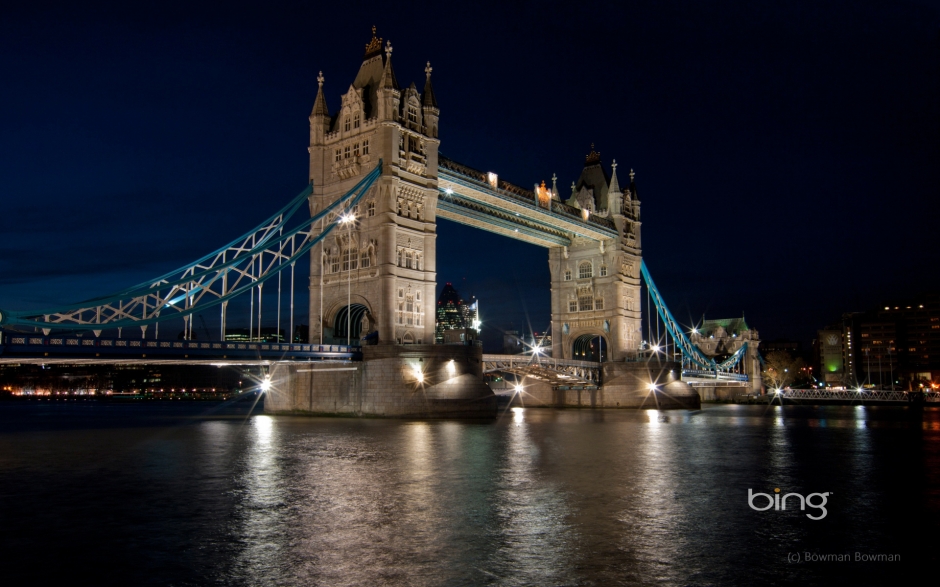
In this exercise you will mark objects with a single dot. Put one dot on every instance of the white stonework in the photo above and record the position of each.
(393, 239)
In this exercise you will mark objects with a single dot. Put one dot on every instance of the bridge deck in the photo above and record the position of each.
(34, 348)
(467, 197)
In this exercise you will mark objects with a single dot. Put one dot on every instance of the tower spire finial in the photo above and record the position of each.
(631, 175)
(373, 47)
(320, 79)
(592, 157)
(388, 48)
(428, 69)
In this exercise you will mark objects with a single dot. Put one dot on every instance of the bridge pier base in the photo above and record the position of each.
(647, 384)
(393, 381)
(623, 385)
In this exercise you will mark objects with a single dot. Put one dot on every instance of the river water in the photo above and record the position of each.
(209, 494)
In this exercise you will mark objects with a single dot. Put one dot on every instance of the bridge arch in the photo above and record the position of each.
(590, 346)
(359, 318)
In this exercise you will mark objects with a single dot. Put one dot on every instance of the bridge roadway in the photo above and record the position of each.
(467, 196)
(19, 348)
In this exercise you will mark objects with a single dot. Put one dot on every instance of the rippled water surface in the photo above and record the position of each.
(200, 494)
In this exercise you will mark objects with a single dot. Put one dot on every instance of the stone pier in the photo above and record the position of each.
(394, 381)
(645, 384)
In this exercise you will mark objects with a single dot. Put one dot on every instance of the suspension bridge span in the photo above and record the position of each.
(366, 223)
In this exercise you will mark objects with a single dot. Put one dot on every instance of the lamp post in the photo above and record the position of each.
(348, 219)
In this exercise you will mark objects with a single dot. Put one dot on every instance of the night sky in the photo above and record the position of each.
(787, 154)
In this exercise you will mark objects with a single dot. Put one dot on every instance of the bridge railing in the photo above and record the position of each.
(15, 344)
(719, 375)
(856, 395)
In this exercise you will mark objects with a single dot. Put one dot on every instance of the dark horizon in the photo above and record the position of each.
(786, 153)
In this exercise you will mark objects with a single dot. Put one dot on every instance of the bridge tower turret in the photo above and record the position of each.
(386, 258)
(596, 284)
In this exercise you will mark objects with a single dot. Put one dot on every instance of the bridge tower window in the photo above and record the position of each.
(603, 270)
(364, 260)
(356, 150)
(339, 155)
(346, 152)
(365, 147)
(334, 263)
(346, 124)
(585, 270)
(370, 208)
(412, 114)
(585, 303)
(356, 120)
(567, 274)
(573, 306)
(599, 304)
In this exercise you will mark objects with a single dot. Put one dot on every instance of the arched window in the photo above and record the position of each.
(365, 260)
(585, 270)
(567, 274)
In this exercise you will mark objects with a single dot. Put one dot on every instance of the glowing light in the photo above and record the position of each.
(449, 192)
(655, 348)
(778, 391)
(419, 375)
(347, 218)
(518, 388)
(265, 384)
(451, 368)
(695, 331)
(652, 386)
(537, 350)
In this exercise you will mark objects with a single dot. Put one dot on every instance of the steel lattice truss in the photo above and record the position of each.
(234, 269)
(850, 395)
(689, 351)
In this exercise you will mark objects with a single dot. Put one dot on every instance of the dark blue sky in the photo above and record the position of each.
(787, 153)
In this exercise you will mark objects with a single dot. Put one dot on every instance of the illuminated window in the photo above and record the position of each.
(585, 270)
(585, 303)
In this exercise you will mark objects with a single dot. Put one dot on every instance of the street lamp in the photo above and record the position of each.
(348, 219)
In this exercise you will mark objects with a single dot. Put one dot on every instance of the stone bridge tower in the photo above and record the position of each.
(596, 285)
(387, 256)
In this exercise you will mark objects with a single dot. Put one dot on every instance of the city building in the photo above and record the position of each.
(453, 313)
(896, 344)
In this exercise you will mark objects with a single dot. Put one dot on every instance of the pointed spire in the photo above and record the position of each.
(554, 186)
(319, 106)
(388, 80)
(428, 99)
(633, 186)
(614, 184)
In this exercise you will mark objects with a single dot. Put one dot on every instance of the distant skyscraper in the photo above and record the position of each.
(454, 313)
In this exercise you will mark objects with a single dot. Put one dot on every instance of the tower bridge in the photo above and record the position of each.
(377, 185)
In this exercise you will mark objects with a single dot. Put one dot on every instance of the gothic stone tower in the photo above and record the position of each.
(388, 255)
(596, 285)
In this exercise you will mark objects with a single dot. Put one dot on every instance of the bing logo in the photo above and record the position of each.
(779, 503)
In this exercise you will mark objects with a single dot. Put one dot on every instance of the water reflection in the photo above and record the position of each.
(541, 497)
